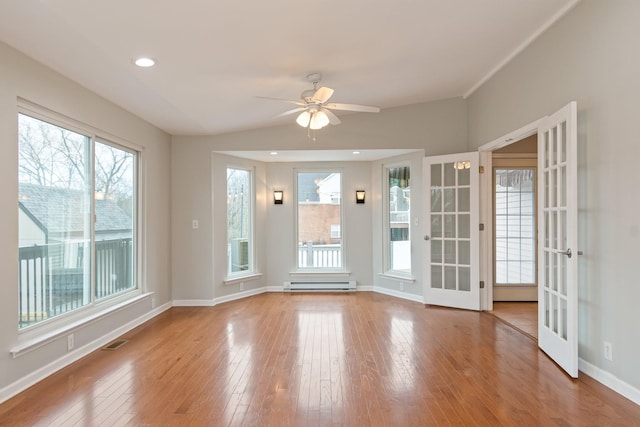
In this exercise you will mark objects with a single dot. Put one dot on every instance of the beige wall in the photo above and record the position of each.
(197, 270)
(590, 56)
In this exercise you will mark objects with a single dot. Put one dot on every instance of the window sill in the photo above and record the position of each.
(51, 335)
(397, 276)
(244, 278)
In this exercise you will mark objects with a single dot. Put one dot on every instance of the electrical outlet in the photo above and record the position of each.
(608, 351)
(194, 224)
(70, 342)
(402, 286)
(242, 286)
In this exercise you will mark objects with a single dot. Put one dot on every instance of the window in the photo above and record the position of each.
(398, 241)
(77, 220)
(239, 221)
(335, 231)
(515, 229)
(319, 204)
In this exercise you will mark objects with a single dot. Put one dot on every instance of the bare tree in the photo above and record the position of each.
(56, 157)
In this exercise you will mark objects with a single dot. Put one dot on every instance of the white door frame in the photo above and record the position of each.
(486, 207)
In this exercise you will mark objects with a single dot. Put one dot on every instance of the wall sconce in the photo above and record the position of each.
(359, 196)
(278, 195)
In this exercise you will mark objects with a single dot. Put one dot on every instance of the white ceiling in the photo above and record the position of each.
(215, 57)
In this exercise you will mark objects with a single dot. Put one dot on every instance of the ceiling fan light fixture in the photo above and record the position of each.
(319, 120)
(303, 119)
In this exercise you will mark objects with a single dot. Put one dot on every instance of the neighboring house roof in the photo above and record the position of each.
(308, 185)
(56, 210)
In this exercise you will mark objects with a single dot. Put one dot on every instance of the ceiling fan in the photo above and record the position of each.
(314, 107)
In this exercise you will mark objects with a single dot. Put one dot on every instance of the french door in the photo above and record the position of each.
(451, 216)
(558, 238)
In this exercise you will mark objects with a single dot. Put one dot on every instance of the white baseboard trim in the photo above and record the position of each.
(226, 298)
(362, 288)
(194, 302)
(239, 295)
(398, 294)
(610, 380)
(27, 381)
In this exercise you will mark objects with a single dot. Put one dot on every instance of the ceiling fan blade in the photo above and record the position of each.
(288, 112)
(353, 107)
(290, 101)
(322, 95)
(333, 119)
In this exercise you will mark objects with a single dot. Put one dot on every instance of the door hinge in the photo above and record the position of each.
(481, 169)
(481, 227)
(481, 284)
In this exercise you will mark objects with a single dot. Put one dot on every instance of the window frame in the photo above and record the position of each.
(44, 330)
(251, 270)
(298, 267)
(386, 224)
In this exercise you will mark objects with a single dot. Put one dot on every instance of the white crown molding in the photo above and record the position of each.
(544, 27)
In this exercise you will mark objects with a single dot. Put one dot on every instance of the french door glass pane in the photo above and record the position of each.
(515, 226)
(450, 226)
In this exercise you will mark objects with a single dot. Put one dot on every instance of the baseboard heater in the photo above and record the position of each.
(324, 286)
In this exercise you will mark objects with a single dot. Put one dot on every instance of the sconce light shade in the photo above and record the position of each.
(360, 196)
(277, 197)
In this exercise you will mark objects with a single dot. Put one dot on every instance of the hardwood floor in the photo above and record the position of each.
(319, 359)
(521, 315)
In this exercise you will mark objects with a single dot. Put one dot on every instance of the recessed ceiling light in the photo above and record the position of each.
(356, 152)
(145, 62)
(274, 153)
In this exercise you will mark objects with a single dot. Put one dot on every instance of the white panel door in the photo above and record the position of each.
(451, 218)
(558, 238)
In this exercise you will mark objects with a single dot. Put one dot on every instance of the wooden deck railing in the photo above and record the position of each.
(319, 256)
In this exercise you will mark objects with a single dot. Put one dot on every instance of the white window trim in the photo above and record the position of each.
(398, 275)
(33, 336)
(29, 342)
(244, 278)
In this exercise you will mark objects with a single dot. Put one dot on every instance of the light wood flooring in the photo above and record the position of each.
(354, 359)
(521, 315)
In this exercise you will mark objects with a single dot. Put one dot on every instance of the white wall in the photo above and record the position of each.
(22, 77)
(591, 56)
